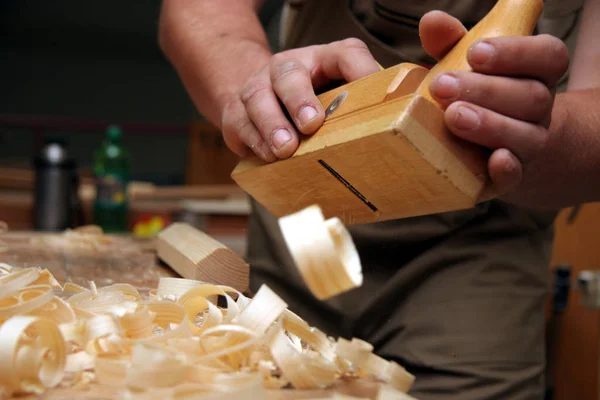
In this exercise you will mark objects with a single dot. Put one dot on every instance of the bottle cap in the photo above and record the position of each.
(114, 133)
(54, 154)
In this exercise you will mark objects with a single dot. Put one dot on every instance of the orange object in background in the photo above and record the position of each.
(148, 225)
(578, 349)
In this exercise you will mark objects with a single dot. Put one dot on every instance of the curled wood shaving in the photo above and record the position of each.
(323, 251)
(89, 239)
(5, 269)
(56, 310)
(13, 282)
(303, 369)
(33, 355)
(190, 340)
(174, 288)
(360, 354)
(25, 300)
(262, 311)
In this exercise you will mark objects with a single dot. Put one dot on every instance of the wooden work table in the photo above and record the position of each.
(142, 269)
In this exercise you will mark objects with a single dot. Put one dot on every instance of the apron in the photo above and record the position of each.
(457, 298)
(390, 27)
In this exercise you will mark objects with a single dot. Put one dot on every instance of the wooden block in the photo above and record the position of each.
(195, 255)
(385, 152)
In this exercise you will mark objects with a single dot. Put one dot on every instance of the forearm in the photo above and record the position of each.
(575, 131)
(214, 45)
(576, 115)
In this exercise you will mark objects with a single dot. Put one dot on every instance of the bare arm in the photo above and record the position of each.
(221, 53)
(576, 119)
(568, 173)
(546, 149)
(215, 46)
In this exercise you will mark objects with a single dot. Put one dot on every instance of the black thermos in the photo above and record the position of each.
(56, 183)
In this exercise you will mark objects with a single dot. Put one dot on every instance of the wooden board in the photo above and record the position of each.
(385, 152)
(195, 255)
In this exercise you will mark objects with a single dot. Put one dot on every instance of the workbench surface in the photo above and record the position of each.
(137, 264)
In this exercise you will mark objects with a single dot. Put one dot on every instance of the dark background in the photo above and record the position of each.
(95, 61)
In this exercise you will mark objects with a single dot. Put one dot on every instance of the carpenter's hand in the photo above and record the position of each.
(255, 118)
(505, 104)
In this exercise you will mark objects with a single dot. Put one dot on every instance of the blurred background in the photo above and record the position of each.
(88, 99)
(68, 71)
(72, 67)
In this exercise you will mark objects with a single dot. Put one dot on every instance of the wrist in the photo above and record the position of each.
(575, 126)
(247, 58)
(213, 47)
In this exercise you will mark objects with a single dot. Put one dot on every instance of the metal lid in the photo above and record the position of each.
(114, 133)
(54, 154)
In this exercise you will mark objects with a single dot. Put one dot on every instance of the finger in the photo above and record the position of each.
(348, 59)
(230, 135)
(240, 133)
(524, 99)
(506, 173)
(542, 57)
(264, 111)
(492, 130)
(293, 85)
(439, 32)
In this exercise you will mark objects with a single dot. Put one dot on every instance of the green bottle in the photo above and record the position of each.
(111, 169)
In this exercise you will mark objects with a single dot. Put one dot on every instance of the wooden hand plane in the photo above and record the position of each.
(384, 151)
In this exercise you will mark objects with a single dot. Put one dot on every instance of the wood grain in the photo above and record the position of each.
(462, 163)
(132, 261)
(195, 255)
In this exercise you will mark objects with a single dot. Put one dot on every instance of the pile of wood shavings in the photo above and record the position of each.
(87, 239)
(179, 342)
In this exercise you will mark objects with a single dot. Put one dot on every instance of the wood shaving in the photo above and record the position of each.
(186, 339)
(89, 239)
(323, 251)
(150, 348)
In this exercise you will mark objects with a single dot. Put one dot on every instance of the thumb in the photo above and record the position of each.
(439, 32)
(506, 173)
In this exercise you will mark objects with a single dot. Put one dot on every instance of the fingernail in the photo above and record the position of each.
(307, 114)
(481, 53)
(466, 119)
(445, 86)
(511, 165)
(281, 137)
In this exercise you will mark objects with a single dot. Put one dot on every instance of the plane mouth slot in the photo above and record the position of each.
(348, 185)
